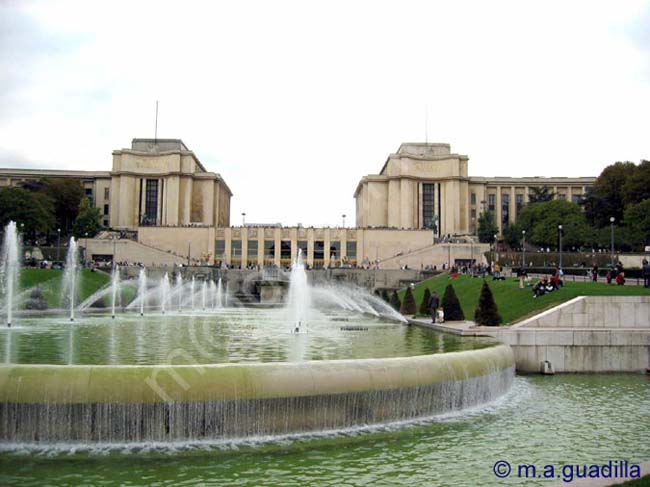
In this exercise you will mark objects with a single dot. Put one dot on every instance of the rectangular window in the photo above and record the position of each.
(505, 210)
(302, 245)
(89, 194)
(492, 202)
(351, 250)
(519, 203)
(428, 197)
(235, 249)
(285, 249)
(576, 198)
(319, 249)
(105, 209)
(151, 202)
(269, 249)
(561, 196)
(252, 249)
(335, 250)
(473, 199)
(106, 194)
(219, 249)
(473, 214)
(105, 223)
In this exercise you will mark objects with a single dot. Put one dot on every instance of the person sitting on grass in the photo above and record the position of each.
(556, 282)
(620, 279)
(540, 288)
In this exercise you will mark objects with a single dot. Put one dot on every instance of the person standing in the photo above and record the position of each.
(433, 304)
(645, 272)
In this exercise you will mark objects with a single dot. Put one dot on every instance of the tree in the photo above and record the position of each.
(512, 236)
(637, 218)
(487, 313)
(408, 306)
(487, 228)
(66, 195)
(609, 190)
(88, 221)
(637, 186)
(32, 211)
(541, 222)
(451, 305)
(424, 306)
(395, 302)
(540, 194)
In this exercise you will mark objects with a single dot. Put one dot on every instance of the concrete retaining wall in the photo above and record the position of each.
(586, 334)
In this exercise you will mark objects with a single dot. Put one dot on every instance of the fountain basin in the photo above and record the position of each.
(53, 403)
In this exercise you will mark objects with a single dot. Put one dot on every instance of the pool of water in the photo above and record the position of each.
(230, 335)
(578, 419)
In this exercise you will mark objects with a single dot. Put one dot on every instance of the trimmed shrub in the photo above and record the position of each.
(451, 305)
(487, 313)
(408, 305)
(395, 302)
(424, 306)
(385, 296)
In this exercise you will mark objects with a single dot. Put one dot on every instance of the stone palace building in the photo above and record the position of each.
(421, 209)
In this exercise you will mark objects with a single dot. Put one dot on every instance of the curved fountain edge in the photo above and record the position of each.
(86, 384)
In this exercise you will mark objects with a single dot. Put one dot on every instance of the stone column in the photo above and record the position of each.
(244, 248)
(326, 243)
(310, 247)
(513, 205)
(497, 213)
(277, 237)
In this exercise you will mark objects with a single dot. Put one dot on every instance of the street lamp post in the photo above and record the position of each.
(86, 247)
(559, 227)
(494, 255)
(611, 222)
(343, 215)
(523, 249)
(243, 219)
(58, 245)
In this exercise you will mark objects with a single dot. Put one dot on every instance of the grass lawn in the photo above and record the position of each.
(516, 304)
(51, 281)
(642, 482)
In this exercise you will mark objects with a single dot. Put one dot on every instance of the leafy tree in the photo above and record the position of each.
(637, 186)
(88, 221)
(512, 236)
(609, 191)
(487, 313)
(66, 195)
(424, 306)
(540, 194)
(451, 305)
(32, 211)
(395, 302)
(637, 218)
(408, 306)
(487, 228)
(541, 222)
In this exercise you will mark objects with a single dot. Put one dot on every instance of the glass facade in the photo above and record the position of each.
(519, 203)
(252, 249)
(505, 210)
(235, 249)
(428, 207)
(219, 249)
(351, 250)
(269, 249)
(151, 203)
(492, 202)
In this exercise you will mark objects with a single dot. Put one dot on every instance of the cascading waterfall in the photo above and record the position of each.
(10, 268)
(115, 284)
(164, 292)
(179, 291)
(219, 294)
(70, 276)
(299, 299)
(142, 289)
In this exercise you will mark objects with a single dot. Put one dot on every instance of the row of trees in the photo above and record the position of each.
(42, 207)
(486, 312)
(622, 192)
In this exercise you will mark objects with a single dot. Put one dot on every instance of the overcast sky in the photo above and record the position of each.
(293, 102)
